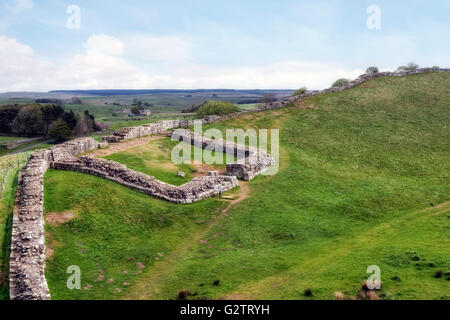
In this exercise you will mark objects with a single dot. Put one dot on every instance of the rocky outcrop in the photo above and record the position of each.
(193, 191)
(250, 161)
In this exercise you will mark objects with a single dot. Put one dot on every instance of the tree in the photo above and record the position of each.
(409, 67)
(29, 120)
(50, 113)
(137, 102)
(85, 124)
(300, 91)
(60, 131)
(340, 83)
(70, 119)
(268, 98)
(136, 110)
(372, 70)
(216, 108)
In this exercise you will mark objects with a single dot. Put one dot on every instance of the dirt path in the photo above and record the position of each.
(122, 146)
(439, 209)
(148, 286)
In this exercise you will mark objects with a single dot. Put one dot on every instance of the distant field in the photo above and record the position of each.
(249, 106)
(6, 138)
(30, 146)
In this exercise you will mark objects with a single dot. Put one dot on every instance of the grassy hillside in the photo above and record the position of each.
(364, 180)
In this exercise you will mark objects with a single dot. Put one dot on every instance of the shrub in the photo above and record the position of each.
(438, 274)
(60, 131)
(308, 293)
(372, 70)
(340, 83)
(136, 110)
(268, 98)
(183, 294)
(300, 91)
(216, 108)
(410, 67)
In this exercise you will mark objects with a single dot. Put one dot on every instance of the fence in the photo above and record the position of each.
(9, 165)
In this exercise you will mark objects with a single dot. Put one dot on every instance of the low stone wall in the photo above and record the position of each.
(250, 161)
(141, 131)
(27, 261)
(193, 191)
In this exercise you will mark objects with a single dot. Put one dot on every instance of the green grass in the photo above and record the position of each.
(359, 184)
(154, 159)
(7, 138)
(111, 233)
(35, 145)
(249, 106)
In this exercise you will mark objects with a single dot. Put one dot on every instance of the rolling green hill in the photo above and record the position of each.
(364, 180)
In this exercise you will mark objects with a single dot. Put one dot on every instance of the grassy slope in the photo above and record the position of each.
(112, 233)
(356, 178)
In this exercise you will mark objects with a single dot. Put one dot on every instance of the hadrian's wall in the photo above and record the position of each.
(27, 262)
(198, 189)
(250, 161)
(141, 131)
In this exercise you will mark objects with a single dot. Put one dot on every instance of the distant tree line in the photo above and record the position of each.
(193, 108)
(249, 101)
(45, 120)
(60, 102)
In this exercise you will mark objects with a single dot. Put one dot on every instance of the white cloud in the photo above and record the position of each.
(281, 75)
(19, 5)
(104, 65)
(104, 45)
(100, 67)
(166, 49)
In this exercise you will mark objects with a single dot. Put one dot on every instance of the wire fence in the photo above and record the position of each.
(9, 165)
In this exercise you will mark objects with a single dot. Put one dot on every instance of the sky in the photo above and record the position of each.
(199, 44)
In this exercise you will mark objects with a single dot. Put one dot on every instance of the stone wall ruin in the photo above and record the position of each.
(27, 261)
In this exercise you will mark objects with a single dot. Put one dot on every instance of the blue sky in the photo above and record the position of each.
(212, 44)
